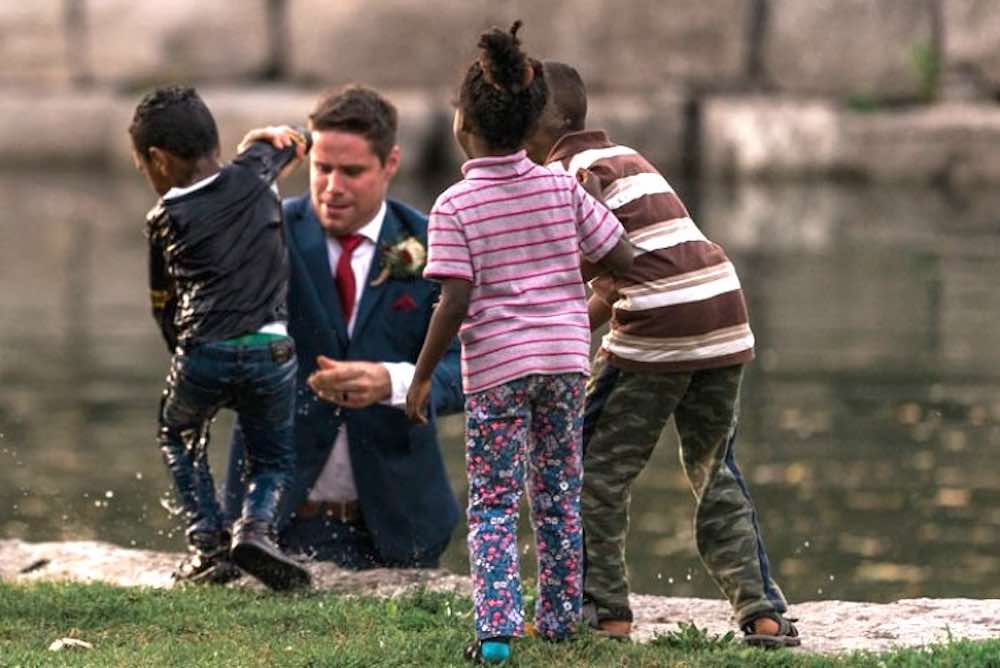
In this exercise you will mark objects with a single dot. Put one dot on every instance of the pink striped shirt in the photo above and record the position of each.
(516, 230)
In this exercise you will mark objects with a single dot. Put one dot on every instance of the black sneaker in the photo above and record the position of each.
(207, 568)
(256, 552)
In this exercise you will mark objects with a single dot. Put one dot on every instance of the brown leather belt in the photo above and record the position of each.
(348, 512)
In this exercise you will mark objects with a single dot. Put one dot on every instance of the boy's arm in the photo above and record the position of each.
(598, 311)
(445, 323)
(269, 151)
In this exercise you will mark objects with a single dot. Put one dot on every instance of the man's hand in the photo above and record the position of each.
(350, 384)
(280, 136)
(416, 401)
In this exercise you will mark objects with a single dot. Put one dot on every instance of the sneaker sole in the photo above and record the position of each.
(279, 574)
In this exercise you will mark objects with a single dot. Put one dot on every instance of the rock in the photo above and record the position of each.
(398, 43)
(33, 44)
(948, 144)
(768, 136)
(57, 128)
(846, 48)
(135, 44)
(972, 42)
(828, 627)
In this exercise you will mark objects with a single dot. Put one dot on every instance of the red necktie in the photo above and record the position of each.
(345, 277)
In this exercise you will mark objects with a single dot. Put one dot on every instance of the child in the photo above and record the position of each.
(218, 280)
(678, 341)
(505, 242)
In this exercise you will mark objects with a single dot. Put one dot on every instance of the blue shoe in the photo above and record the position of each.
(491, 650)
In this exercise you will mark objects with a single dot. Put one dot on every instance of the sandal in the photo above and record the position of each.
(787, 635)
(497, 650)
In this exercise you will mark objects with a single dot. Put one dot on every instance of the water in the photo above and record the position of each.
(870, 418)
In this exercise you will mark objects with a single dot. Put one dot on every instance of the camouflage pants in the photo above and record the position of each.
(626, 412)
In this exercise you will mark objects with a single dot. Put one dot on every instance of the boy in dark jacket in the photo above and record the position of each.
(218, 277)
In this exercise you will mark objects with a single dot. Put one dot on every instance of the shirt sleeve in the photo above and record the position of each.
(597, 228)
(162, 295)
(400, 378)
(266, 161)
(448, 253)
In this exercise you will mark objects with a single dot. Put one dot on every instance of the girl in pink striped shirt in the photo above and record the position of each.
(505, 242)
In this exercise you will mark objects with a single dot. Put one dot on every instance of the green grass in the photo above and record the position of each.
(224, 627)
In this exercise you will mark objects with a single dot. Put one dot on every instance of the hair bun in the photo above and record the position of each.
(503, 64)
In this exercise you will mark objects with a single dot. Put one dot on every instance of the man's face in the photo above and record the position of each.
(347, 181)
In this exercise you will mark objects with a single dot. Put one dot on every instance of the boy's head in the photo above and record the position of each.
(566, 110)
(354, 157)
(502, 95)
(171, 131)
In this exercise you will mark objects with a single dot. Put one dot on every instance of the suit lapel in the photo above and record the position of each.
(371, 295)
(312, 241)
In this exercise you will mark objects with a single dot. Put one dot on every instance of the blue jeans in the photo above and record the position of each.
(258, 383)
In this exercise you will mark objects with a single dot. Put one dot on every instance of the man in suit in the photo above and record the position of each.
(370, 488)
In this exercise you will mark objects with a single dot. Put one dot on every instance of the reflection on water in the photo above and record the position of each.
(869, 418)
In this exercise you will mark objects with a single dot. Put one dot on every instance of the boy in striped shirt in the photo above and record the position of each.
(678, 340)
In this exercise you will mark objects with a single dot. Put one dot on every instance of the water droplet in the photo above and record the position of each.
(109, 494)
(832, 577)
(688, 577)
(659, 576)
(138, 475)
(805, 544)
(670, 580)
(819, 591)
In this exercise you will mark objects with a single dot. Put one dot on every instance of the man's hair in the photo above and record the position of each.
(176, 119)
(569, 95)
(359, 110)
(504, 92)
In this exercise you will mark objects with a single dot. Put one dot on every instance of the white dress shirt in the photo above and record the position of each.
(336, 481)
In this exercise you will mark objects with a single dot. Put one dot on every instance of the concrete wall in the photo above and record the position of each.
(836, 48)
(744, 87)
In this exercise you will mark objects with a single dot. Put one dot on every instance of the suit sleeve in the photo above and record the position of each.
(446, 383)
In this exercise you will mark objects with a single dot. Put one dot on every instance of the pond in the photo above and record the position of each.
(870, 417)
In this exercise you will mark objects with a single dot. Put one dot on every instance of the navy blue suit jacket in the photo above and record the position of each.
(407, 503)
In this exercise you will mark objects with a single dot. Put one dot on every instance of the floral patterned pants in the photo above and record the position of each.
(527, 429)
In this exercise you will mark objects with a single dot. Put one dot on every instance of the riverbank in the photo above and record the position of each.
(828, 627)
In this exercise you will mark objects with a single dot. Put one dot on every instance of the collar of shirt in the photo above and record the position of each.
(572, 143)
(177, 192)
(498, 167)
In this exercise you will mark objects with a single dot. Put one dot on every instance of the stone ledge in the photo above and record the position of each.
(755, 136)
(828, 627)
(64, 128)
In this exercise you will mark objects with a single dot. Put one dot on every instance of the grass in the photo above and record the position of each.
(231, 627)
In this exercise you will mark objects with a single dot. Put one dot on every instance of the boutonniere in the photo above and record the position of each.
(404, 259)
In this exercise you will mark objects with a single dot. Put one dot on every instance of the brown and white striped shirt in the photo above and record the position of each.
(680, 307)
